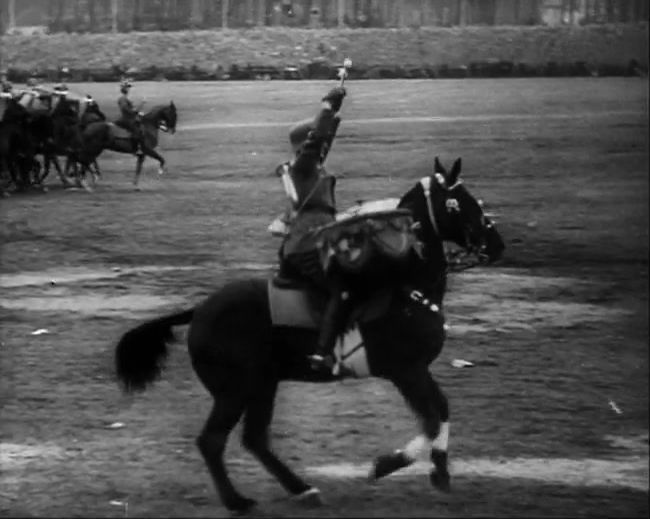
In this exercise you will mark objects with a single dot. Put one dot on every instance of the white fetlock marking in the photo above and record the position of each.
(441, 441)
(416, 446)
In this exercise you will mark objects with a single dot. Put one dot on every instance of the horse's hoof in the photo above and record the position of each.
(387, 464)
(440, 480)
(161, 171)
(310, 498)
(241, 506)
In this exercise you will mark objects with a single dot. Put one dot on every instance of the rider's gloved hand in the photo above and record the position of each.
(335, 98)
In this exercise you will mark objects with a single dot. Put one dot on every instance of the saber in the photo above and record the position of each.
(343, 70)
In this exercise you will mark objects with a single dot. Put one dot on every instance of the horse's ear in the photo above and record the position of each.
(455, 171)
(438, 168)
(171, 103)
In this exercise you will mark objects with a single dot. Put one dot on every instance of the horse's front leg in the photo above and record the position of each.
(96, 171)
(429, 403)
(161, 161)
(63, 174)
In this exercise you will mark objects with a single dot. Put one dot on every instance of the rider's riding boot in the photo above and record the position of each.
(138, 147)
(323, 359)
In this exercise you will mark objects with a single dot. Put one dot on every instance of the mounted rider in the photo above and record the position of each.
(6, 90)
(60, 96)
(130, 117)
(310, 189)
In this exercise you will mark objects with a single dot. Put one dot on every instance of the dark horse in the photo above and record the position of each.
(69, 121)
(60, 137)
(17, 145)
(101, 135)
(240, 355)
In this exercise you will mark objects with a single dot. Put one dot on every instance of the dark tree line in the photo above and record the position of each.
(149, 15)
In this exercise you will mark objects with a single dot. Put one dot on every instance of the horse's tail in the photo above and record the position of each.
(141, 353)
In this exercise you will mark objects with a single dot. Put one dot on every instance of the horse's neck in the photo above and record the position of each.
(434, 261)
(153, 115)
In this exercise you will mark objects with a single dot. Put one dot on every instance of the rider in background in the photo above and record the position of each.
(6, 90)
(311, 192)
(129, 116)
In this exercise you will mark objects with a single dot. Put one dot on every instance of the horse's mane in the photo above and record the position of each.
(154, 112)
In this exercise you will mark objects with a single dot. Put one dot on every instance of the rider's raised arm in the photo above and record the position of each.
(324, 126)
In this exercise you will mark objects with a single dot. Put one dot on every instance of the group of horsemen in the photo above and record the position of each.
(41, 101)
(310, 192)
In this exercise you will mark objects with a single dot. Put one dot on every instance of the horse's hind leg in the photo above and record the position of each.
(229, 404)
(255, 437)
(426, 399)
(138, 170)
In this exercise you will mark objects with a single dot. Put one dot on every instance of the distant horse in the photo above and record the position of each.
(63, 137)
(241, 353)
(69, 121)
(100, 136)
(17, 149)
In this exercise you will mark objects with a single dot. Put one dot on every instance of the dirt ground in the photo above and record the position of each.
(551, 421)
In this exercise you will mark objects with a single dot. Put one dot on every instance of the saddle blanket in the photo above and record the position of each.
(293, 307)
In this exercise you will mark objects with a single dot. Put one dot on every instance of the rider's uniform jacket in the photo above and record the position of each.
(127, 110)
(313, 201)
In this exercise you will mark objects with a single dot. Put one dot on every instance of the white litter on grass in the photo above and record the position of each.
(460, 363)
(117, 502)
(614, 407)
(115, 425)
(40, 331)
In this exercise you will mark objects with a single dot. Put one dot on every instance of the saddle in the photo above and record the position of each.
(117, 132)
(295, 304)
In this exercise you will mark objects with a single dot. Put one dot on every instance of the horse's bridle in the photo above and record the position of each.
(425, 182)
(459, 264)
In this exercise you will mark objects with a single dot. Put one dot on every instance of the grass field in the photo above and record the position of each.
(555, 424)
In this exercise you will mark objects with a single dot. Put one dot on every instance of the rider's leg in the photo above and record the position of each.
(332, 323)
(140, 139)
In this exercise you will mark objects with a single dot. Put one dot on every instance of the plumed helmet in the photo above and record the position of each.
(299, 133)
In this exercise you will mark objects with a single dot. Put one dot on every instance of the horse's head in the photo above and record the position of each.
(164, 117)
(453, 214)
(92, 109)
(462, 219)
